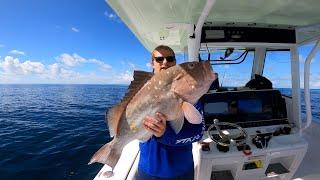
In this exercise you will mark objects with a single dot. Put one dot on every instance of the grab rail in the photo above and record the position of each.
(307, 83)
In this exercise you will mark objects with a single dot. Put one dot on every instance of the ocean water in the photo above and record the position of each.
(51, 131)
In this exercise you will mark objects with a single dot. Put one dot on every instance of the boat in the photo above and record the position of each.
(271, 140)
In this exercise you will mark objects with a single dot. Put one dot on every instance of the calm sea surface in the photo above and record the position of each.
(51, 131)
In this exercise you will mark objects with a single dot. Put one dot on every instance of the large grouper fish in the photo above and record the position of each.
(172, 91)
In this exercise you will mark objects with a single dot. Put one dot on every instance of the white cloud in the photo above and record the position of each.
(232, 81)
(54, 70)
(149, 66)
(132, 66)
(56, 73)
(12, 65)
(112, 16)
(12, 70)
(75, 59)
(281, 81)
(32, 67)
(70, 60)
(101, 64)
(16, 52)
(127, 76)
(75, 29)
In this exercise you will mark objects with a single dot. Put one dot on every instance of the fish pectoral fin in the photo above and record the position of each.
(177, 124)
(191, 113)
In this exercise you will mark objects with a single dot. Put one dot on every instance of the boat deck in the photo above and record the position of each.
(310, 166)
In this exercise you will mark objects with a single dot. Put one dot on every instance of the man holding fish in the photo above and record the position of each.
(167, 154)
(161, 110)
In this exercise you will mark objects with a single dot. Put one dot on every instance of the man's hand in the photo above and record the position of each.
(157, 125)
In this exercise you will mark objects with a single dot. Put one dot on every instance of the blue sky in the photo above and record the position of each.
(85, 42)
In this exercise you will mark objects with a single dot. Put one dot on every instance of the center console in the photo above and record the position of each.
(277, 160)
(273, 148)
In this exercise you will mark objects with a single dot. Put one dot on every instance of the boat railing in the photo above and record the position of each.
(307, 83)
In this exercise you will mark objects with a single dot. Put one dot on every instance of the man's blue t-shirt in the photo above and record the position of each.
(171, 154)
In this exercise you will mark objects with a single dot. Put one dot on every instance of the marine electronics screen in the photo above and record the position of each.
(244, 108)
(241, 110)
(250, 106)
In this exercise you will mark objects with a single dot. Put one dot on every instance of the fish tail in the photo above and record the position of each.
(107, 154)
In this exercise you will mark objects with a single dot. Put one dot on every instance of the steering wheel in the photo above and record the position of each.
(225, 138)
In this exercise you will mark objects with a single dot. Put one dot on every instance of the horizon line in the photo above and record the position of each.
(107, 85)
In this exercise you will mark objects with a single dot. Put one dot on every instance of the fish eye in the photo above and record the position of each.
(191, 65)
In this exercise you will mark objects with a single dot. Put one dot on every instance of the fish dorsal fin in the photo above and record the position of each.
(114, 114)
(139, 79)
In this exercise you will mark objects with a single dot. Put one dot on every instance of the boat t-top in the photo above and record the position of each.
(253, 131)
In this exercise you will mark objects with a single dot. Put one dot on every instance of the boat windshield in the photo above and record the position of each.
(234, 70)
(278, 70)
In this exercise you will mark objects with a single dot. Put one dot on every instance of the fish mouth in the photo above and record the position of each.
(163, 68)
(209, 71)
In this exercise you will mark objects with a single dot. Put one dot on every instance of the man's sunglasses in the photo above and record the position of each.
(168, 58)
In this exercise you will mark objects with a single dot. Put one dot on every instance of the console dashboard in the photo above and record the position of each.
(272, 148)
